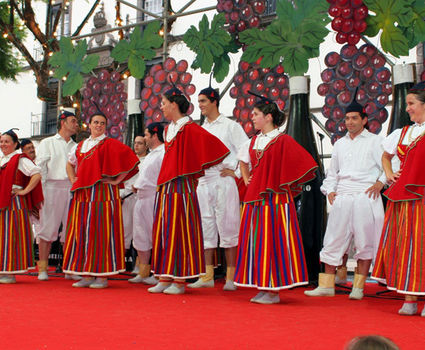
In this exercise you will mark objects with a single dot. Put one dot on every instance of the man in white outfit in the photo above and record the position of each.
(218, 193)
(353, 185)
(143, 214)
(52, 156)
(127, 195)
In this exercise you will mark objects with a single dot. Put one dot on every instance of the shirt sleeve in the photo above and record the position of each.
(243, 152)
(331, 181)
(378, 150)
(43, 157)
(72, 157)
(390, 143)
(27, 167)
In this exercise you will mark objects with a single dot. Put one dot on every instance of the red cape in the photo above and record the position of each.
(109, 158)
(284, 166)
(191, 152)
(8, 175)
(410, 184)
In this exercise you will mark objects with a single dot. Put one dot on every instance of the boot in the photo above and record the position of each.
(326, 286)
(206, 281)
(42, 270)
(341, 275)
(230, 276)
(358, 286)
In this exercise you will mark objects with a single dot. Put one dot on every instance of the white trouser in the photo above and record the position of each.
(353, 217)
(143, 216)
(220, 212)
(127, 219)
(54, 211)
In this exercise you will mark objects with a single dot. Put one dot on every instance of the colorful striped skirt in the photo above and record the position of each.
(400, 261)
(94, 232)
(270, 250)
(177, 242)
(16, 242)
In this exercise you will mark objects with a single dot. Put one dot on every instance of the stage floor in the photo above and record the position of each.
(53, 315)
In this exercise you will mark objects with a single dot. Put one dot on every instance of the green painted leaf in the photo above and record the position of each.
(73, 83)
(393, 40)
(210, 44)
(89, 63)
(137, 67)
(221, 68)
(65, 45)
(121, 51)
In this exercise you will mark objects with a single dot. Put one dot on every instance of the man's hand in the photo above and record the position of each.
(227, 172)
(374, 191)
(331, 197)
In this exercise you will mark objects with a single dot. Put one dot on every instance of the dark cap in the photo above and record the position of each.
(419, 87)
(65, 114)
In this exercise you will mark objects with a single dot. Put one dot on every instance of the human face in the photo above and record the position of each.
(415, 108)
(29, 150)
(70, 125)
(207, 107)
(140, 145)
(7, 145)
(168, 108)
(354, 123)
(263, 122)
(97, 126)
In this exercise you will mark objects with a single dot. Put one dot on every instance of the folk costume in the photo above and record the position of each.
(16, 238)
(400, 261)
(178, 249)
(270, 251)
(94, 233)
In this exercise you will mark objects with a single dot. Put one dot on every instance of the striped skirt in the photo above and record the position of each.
(94, 232)
(16, 242)
(270, 250)
(177, 242)
(400, 261)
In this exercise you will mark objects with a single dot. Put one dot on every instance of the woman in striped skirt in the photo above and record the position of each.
(177, 242)
(94, 245)
(400, 261)
(20, 194)
(270, 249)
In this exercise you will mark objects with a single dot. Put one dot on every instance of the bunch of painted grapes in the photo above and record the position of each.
(271, 83)
(108, 92)
(348, 70)
(159, 81)
(349, 20)
(241, 14)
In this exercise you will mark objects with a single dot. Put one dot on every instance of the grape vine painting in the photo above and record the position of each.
(158, 81)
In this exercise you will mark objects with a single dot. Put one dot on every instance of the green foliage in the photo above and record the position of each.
(71, 62)
(294, 36)
(10, 64)
(139, 49)
(212, 46)
(402, 23)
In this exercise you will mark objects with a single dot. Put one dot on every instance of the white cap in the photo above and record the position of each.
(298, 85)
(133, 106)
(402, 73)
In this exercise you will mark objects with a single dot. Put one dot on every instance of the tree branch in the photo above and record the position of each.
(31, 23)
(49, 14)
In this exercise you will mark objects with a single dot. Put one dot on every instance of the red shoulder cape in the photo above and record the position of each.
(191, 151)
(7, 177)
(284, 166)
(109, 158)
(410, 184)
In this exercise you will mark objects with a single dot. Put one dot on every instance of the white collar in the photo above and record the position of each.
(10, 155)
(419, 124)
(270, 134)
(219, 119)
(99, 138)
(180, 122)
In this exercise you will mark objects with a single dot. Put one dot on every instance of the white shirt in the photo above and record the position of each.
(174, 127)
(260, 143)
(232, 135)
(26, 166)
(128, 185)
(88, 144)
(355, 164)
(52, 155)
(391, 141)
(147, 178)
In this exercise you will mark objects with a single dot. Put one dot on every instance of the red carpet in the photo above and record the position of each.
(53, 315)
